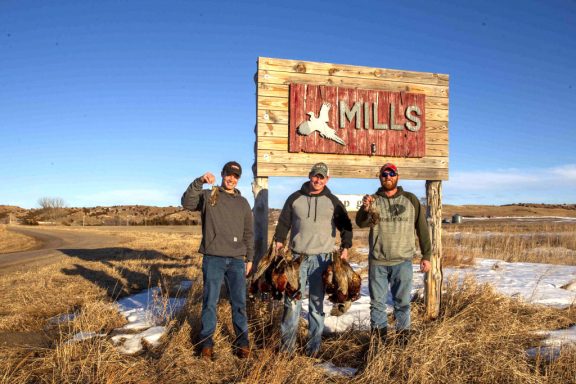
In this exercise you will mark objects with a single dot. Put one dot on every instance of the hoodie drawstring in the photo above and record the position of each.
(315, 207)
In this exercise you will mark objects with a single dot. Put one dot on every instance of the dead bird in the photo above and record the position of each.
(341, 282)
(214, 195)
(287, 274)
(262, 280)
(277, 274)
(373, 213)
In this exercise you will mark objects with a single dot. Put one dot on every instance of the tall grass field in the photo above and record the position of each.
(479, 337)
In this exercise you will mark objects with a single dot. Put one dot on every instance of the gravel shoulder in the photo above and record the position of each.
(51, 241)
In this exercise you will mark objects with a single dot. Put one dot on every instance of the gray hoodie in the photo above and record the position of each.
(393, 239)
(312, 221)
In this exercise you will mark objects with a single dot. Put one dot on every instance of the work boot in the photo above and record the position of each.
(207, 353)
(313, 354)
(375, 345)
(403, 337)
(243, 352)
(380, 334)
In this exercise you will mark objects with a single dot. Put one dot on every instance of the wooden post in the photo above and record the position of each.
(433, 279)
(260, 191)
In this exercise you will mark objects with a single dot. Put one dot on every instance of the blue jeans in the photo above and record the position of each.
(399, 277)
(311, 271)
(233, 271)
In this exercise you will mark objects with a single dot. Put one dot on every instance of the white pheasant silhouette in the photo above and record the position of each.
(320, 124)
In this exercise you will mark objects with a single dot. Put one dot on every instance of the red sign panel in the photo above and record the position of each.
(325, 119)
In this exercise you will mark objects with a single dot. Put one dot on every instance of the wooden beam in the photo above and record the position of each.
(284, 78)
(260, 191)
(433, 279)
(344, 70)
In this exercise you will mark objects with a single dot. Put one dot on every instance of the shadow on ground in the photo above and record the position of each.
(125, 281)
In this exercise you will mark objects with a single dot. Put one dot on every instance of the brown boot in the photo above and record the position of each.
(243, 352)
(207, 353)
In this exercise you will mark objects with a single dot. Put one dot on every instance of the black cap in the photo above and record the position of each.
(232, 167)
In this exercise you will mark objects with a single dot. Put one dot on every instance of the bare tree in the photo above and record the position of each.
(53, 207)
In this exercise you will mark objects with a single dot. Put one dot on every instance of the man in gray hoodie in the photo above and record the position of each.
(394, 217)
(228, 249)
(312, 215)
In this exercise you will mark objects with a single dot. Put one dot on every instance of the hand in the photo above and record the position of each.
(208, 178)
(248, 268)
(344, 254)
(279, 245)
(425, 266)
(367, 202)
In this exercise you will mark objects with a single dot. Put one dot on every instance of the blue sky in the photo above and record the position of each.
(126, 102)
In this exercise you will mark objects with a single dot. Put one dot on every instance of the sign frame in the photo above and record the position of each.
(272, 156)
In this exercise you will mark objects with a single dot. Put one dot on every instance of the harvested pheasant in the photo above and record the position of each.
(373, 213)
(342, 283)
(277, 274)
(214, 195)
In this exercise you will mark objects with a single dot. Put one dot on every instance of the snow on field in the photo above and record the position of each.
(533, 283)
(530, 219)
(145, 312)
(540, 284)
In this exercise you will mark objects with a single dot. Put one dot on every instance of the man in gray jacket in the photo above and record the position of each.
(394, 216)
(312, 216)
(228, 249)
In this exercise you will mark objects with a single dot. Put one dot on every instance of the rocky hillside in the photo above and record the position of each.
(115, 215)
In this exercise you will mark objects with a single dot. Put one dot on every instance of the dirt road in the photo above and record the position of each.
(53, 240)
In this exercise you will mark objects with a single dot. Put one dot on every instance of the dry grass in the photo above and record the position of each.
(14, 242)
(480, 337)
(551, 243)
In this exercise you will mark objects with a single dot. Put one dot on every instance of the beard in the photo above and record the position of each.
(390, 184)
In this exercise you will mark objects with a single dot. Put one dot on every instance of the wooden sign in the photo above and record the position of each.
(327, 119)
(354, 119)
(287, 90)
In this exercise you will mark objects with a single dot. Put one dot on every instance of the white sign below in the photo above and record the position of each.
(351, 202)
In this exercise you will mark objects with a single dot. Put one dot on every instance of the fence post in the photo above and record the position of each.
(433, 279)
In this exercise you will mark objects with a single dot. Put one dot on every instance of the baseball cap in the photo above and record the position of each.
(232, 167)
(389, 166)
(319, 169)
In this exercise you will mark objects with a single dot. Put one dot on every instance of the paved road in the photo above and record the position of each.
(53, 240)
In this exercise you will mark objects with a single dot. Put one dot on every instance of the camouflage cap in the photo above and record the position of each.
(319, 169)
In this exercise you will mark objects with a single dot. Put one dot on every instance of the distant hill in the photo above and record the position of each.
(114, 215)
(510, 210)
(151, 215)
